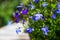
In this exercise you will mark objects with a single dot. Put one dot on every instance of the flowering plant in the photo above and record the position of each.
(43, 17)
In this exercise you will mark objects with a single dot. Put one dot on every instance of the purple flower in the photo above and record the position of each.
(45, 33)
(58, 5)
(37, 16)
(58, 11)
(19, 8)
(17, 20)
(45, 4)
(30, 30)
(24, 12)
(18, 30)
(17, 17)
(16, 14)
(54, 16)
(45, 30)
(36, 1)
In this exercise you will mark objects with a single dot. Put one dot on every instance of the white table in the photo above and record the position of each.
(9, 32)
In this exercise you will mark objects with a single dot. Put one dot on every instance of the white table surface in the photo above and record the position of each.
(9, 32)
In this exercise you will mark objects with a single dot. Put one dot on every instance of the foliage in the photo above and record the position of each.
(7, 8)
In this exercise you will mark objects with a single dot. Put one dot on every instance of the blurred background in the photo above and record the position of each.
(7, 8)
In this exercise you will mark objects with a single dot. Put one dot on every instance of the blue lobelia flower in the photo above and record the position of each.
(17, 20)
(36, 1)
(17, 17)
(54, 16)
(45, 33)
(16, 14)
(18, 30)
(58, 11)
(45, 30)
(58, 5)
(20, 7)
(44, 5)
(25, 11)
(30, 30)
(37, 17)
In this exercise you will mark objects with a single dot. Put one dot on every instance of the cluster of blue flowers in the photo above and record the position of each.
(28, 30)
(20, 10)
(35, 17)
(23, 10)
(54, 16)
